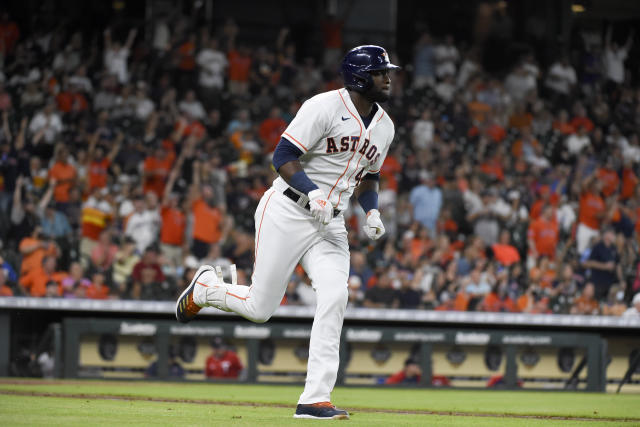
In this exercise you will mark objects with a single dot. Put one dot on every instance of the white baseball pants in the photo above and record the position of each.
(287, 234)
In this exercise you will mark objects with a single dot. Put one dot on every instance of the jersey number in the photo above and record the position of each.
(359, 176)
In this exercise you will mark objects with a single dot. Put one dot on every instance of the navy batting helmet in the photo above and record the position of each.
(359, 61)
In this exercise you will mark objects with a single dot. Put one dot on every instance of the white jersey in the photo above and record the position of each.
(338, 151)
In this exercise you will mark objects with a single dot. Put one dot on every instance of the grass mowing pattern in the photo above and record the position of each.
(51, 411)
(37, 410)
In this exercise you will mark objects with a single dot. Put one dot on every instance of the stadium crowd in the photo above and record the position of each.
(126, 164)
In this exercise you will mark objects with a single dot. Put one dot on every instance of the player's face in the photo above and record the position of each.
(381, 89)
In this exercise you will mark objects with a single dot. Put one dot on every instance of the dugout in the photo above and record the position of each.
(122, 339)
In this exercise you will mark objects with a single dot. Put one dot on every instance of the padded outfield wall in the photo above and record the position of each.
(122, 339)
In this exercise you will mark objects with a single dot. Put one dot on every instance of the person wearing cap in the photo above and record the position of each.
(412, 373)
(634, 310)
(223, 362)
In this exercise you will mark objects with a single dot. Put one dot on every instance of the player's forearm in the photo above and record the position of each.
(367, 194)
(294, 175)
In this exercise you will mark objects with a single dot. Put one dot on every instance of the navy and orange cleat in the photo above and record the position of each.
(321, 411)
(186, 307)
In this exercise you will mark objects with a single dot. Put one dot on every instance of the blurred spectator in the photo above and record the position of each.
(53, 222)
(521, 82)
(271, 129)
(563, 292)
(412, 373)
(98, 288)
(424, 62)
(423, 131)
(498, 300)
(191, 106)
(426, 200)
(9, 34)
(126, 260)
(409, 295)
(97, 213)
(148, 278)
(64, 175)
(185, 57)
(614, 305)
(561, 79)
(37, 281)
(33, 250)
(104, 252)
(212, 63)
(117, 55)
(75, 284)
(381, 294)
(143, 224)
(543, 234)
(504, 252)
(586, 302)
(99, 161)
(614, 57)
(175, 369)
(174, 223)
(239, 62)
(486, 214)
(47, 125)
(223, 362)
(577, 142)
(591, 212)
(207, 218)
(604, 263)
(477, 288)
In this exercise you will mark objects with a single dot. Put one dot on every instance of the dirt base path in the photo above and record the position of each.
(277, 405)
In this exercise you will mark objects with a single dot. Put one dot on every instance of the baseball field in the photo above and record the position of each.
(91, 402)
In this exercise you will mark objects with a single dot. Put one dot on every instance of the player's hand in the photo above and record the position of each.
(320, 207)
(374, 228)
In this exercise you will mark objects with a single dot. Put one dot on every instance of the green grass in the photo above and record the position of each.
(52, 411)
(39, 410)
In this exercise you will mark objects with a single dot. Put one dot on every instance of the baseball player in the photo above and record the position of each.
(334, 147)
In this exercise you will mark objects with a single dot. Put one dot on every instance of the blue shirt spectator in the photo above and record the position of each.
(424, 62)
(426, 200)
(54, 223)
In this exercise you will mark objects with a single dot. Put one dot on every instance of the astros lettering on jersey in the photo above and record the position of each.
(338, 151)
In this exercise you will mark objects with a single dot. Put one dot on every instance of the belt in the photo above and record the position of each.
(296, 198)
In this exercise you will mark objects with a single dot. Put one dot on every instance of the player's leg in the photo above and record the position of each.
(283, 232)
(327, 264)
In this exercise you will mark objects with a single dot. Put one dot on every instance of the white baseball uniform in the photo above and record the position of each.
(338, 151)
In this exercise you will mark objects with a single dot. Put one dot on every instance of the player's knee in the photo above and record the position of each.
(261, 315)
(335, 295)
(261, 318)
